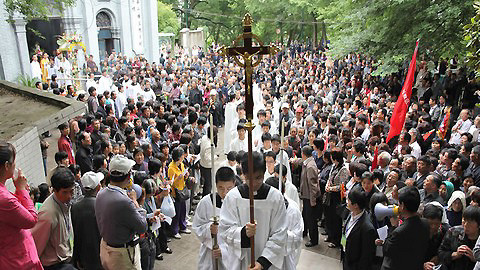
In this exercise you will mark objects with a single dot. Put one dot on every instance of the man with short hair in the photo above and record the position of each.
(475, 165)
(86, 251)
(406, 245)
(269, 230)
(309, 193)
(359, 232)
(83, 157)
(53, 231)
(120, 219)
(429, 193)
(92, 100)
(423, 169)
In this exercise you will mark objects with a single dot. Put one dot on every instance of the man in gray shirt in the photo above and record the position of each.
(120, 219)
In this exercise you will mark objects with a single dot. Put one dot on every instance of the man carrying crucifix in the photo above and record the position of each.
(269, 230)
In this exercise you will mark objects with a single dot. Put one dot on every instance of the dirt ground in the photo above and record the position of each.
(18, 112)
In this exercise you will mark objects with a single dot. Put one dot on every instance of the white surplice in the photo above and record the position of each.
(201, 227)
(230, 114)
(294, 236)
(271, 231)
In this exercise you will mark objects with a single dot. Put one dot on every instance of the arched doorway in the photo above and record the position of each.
(106, 40)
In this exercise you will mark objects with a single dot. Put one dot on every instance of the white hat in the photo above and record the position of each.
(91, 180)
(213, 92)
(121, 164)
(285, 105)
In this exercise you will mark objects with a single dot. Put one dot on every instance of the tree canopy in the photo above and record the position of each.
(383, 29)
(167, 19)
(35, 9)
(472, 37)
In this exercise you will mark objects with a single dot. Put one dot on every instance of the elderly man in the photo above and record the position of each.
(309, 193)
(383, 162)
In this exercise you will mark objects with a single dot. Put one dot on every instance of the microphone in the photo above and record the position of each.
(383, 211)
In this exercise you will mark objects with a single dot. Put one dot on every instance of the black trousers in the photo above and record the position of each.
(161, 240)
(310, 216)
(147, 253)
(333, 220)
(206, 174)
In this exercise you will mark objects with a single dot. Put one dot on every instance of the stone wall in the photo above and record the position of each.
(190, 38)
(27, 142)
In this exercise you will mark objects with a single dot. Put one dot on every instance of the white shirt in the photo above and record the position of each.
(239, 145)
(351, 223)
(416, 150)
(36, 70)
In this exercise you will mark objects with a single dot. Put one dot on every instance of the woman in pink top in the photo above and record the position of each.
(17, 216)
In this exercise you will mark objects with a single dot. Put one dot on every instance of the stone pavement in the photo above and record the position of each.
(185, 250)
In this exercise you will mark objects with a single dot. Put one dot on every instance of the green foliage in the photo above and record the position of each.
(27, 81)
(472, 37)
(388, 29)
(167, 19)
(35, 9)
(222, 19)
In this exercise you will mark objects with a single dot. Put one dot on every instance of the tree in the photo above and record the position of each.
(387, 30)
(35, 9)
(472, 37)
(167, 19)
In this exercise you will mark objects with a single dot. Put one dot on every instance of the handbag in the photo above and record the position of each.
(182, 195)
(168, 208)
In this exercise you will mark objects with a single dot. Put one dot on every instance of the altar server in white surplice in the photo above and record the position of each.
(269, 230)
(203, 226)
(293, 247)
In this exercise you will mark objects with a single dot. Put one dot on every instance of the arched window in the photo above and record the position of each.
(104, 20)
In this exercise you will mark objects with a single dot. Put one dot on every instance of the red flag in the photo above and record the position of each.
(401, 107)
(442, 130)
(375, 159)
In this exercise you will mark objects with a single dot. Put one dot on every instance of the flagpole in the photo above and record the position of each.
(282, 135)
(214, 194)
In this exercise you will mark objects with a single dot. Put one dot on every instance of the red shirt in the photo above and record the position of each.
(65, 145)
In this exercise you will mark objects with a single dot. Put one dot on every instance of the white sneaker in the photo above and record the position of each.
(177, 236)
(186, 231)
(189, 224)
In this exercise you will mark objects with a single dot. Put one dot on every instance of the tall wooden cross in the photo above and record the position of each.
(247, 53)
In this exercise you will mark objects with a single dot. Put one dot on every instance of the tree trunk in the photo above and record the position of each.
(324, 34)
(315, 35)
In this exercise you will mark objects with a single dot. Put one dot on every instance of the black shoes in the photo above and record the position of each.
(159, 257)
(310, 244)
(167, 250)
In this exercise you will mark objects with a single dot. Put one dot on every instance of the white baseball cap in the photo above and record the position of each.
(121, 164)
(285, 105)
(91, 180)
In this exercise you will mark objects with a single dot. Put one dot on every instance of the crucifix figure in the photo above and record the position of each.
(244, 57)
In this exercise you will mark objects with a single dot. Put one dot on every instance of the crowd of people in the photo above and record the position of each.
(136, 170)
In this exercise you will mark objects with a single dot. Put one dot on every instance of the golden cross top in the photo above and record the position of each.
(246, 54)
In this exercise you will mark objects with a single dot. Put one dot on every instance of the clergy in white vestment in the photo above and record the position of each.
(121, 100)
(230, 114)
(294, 229)
(281, 155)
(291, 191)
(241, 142)
(203, 226)
(35, 66)
(270, 230)
(104, 83)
